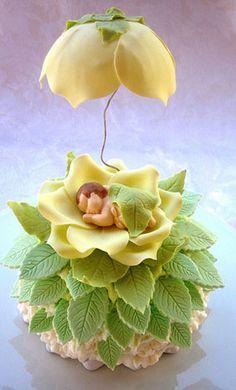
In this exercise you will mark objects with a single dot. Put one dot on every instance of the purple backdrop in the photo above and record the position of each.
(196, 131)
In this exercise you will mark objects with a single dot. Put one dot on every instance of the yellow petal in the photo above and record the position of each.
(58, 240)
(59, 209)
(144, 64)
(171, 203)
(158, 234)
(134, 255)
(116, 163)
(110, 240)
(145, 178)
(79, 67)
(84, 169)
(51, 186)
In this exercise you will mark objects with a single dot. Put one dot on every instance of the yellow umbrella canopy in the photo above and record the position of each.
(99, 52)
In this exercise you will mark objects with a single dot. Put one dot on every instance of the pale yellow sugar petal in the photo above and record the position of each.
(110, 240)
(145, 178)
(158, 234)
(84, 169)
(134, 255)
(58, 208)
(58, 240)
(171, 203)
(117, 164)
(144, 64)
(79, 66)
(51, 186)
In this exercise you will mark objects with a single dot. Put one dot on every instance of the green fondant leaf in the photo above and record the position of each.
(98, 269)
(40, 322)
(31, 220)
(172, 298)
(69, 157)
(136, 206)
(170, 246)
(109, 351)
(112, 30)
(41, 262)
(86, 314)
(196, 236)
(77, 288)
(47, 291)
(115, 12)
(133, 318)
(159, 324)
(174, 183)
(22, 246)
(196, 298)
(190, 201)
(15, 291)
(26, 290)
(180, 335)
(182, 267)
(119, 331)
(60, 322)
(136, 287)
(209, 276)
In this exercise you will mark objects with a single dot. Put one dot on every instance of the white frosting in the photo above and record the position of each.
(143, 352)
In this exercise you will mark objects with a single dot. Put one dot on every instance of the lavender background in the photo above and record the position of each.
(196, 131)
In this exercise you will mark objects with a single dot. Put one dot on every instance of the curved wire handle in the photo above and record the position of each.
(105, 132)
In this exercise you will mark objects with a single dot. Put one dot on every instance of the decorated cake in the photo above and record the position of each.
(112, 268)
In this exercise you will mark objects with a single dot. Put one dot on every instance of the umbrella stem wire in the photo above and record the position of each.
(105, 132)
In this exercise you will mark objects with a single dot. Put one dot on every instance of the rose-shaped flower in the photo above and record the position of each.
(98, 53)
(72, 238)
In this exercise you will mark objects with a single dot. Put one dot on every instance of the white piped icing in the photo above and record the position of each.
(143, 352)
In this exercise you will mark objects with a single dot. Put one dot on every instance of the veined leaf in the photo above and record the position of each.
(171, 245)
(77, 288)
(136, 206)
(180, 335)
(86, 314)
(172, 298)
(31, 220)
(190, 202)
(15, 291)
(174, 183)
(60, 322)
(22, 246)
(198, 237)
(136, 287)
(109, 351)
(159, 324)
(42, 261)
(133, 318)
(40, 322)
(182, 267)
(26, 290)
(196, 298)
(209, 276)
(98, 269)
(47, 291)
(118, 330)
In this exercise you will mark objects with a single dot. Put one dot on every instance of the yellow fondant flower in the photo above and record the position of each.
(98, 53)
(72, 238)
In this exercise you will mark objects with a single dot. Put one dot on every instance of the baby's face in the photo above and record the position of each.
(91, 205)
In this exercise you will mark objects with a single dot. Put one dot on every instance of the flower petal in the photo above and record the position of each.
(158, 234)
(171, 203)
(59, 209)
(134, 254)
(111, 240)
(145, 178)
(116, 163)
(58, 240)
(51, 186)
(79, 67)
(144, 64)
(84, 169)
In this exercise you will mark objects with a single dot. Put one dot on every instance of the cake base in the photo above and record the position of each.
(144, 351)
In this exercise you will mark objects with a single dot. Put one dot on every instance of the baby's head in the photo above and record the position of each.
(90, 197)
